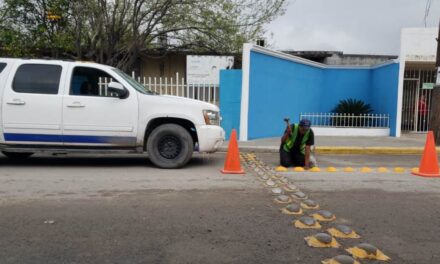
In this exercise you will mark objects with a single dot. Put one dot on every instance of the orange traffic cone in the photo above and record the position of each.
(429, 163)
(232, 162)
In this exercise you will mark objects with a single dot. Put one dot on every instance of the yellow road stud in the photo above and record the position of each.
(283, 180)
(298, 169)
(322, 240)
(309, 204)
(366, 170)
(399, 170)
(281, 169)
(331, 169)
(348, 169)
(367, 251)
(415, 170)
(292, 209)
(271, 183)
(298, 195)
(341, 259)
(275, 176)
(306, 222)
(283, 199)
(342, 231)
(290, 187)
(315, 169)
(323, 216)
(382, 169)
(277, 191)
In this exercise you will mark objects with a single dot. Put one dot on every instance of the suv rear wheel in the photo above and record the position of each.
(170, 146)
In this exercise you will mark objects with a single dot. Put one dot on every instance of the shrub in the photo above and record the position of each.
(353, 107)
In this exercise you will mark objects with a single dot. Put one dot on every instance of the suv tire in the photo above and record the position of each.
(170, 146)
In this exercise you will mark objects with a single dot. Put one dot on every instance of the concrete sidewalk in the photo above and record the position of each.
(406, 144)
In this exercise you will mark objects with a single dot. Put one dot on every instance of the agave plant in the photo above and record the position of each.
(353, 107)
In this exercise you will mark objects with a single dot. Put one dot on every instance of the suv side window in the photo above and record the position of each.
(37, 79)
(90, 82)
(2, 66)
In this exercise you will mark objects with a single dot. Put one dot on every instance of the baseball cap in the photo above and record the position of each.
(305, 123)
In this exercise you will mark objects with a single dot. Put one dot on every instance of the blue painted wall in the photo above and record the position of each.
(385, 81)
(340, 84)
(279, 88)
(230, 100)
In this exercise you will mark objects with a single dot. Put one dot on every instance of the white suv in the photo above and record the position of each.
(62, 106)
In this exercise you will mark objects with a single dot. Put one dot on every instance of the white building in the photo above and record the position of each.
(417, 76)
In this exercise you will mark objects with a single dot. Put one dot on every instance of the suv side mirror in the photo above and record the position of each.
(115, 87)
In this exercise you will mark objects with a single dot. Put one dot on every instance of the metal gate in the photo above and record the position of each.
(417, 99)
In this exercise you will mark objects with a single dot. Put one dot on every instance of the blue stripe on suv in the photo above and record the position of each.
(70, 139)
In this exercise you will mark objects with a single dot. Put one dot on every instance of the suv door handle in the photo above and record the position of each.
(16, 102)
(76, 105)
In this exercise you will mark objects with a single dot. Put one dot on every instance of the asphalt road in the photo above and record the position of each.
(123, 210)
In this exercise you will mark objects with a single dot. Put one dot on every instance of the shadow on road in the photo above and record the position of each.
(103, 161)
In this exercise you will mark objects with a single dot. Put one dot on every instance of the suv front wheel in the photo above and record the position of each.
(170, 146)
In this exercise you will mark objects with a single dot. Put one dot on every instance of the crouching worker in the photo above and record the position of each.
(296, 146)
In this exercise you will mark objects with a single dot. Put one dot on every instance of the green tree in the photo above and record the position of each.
(116, 32)
(32, 28)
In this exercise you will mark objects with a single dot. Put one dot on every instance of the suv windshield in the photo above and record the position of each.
(139, 87)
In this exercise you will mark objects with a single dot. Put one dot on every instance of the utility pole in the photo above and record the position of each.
(435, 104)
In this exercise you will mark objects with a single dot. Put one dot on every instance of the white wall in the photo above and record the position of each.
(418, 44)
(345, 131)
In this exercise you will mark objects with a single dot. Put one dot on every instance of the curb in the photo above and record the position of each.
(342, 150)
(370, 150)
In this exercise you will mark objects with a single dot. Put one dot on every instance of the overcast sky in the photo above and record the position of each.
(351, 26)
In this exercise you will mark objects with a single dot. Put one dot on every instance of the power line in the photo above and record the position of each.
(427, 9)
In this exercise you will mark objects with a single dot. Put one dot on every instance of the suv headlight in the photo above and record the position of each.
(211, 117)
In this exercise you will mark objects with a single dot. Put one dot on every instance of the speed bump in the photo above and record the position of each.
(348, 169)
(382, 169)
(331, 169)
(283, 199)
(264, 177)
(315, 169)
(299, 195)
(290, 187)
(342, 231)
(341, 259)
(309, 204)
(322, 240)
(275, 176)
(367, 251)
(324, 216)
(306, 222)
(277, 191)
(292, 209)
(298, 169)
(281, 169)
(260, 173)
(271, 183)
(366, 170)
(283, 180)
(399, 170)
